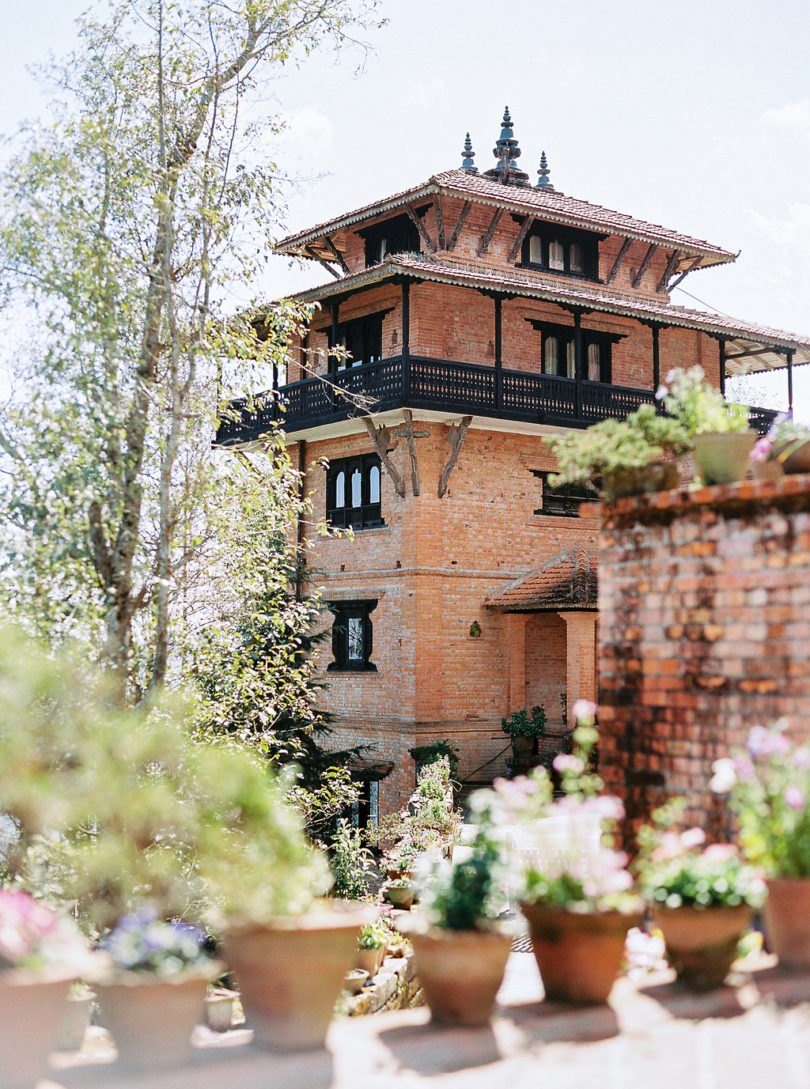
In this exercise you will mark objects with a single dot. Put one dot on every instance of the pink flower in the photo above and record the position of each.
(669, 847)
(801, 757)
(794, 798)
(720, 852)
(584, 711)
(692, 837)
(743, 768)
(563, 762)
(761, 451)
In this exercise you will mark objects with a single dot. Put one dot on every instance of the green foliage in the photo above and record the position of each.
(698, 406)
(584, 457)
(468, 894)
(434, 750)
(350, 862)
(522, 724)
(373, 935)
(429, 821)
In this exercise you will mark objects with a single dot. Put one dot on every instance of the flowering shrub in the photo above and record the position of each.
(768, 785)
(697, 405)
(784, 437)
(34, 936)
(675, 869)
(142, 942)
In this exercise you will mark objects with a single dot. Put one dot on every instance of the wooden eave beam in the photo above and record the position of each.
(462, 215)
(671, 263)
(417, 222)
(322, 261)
(525, 227)
(682, 276)
(437, 208)
(338, 256)
(648, 256)
(759, 351)
(455, 436)
(485, 241)
(611, 276)
(381, 441)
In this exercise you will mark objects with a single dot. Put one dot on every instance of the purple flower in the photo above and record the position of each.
(761, 451)
(794, 798)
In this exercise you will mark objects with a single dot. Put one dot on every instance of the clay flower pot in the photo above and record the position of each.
(798, 460)
(290, 971)
(722, 456)
(75, 1020)
(151, 1018)
(658, 476)
(579, 955)
(355, 980)
(370, 959)
(460, 971)
(219, 1009)
(31, 1007)
(702, 942)
(400, 896)
(787, 920)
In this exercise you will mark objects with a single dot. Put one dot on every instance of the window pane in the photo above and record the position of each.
(570, 360)
(374, 484)
(357, 480)
(535, 250)
(354, 635)
(383, 248)
(551, 353)
(594, 363)
(575, 258)
(340, 489)
(556, 255)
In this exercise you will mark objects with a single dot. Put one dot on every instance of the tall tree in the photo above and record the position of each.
(124, 226)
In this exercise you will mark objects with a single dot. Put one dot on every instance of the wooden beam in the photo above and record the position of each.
(628, 242)
(455, 436)
(338, 256)
(437, 208)
(321, 261)
(524, 230)
(643, 268)
(671, 263)
(381, 441)
(485, 241)
(417, 222)
(462, 215)
(691, 268)
(747, 355)
(415, 485)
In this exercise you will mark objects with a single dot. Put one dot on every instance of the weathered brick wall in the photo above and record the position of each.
(704, 632)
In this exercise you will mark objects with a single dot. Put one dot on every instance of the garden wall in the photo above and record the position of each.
(704, 600)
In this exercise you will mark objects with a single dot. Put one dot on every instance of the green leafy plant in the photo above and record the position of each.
(676, 869)
(350, 862)
(645, 437)
(697, 405)
(373, 935)
(523, 724)
(434, 750)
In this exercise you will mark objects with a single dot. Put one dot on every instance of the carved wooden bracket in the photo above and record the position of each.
(381, 441)
(455, 436)
(415, 484)
(462, 215)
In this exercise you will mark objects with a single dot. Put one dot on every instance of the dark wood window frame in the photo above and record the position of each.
(347, 514)
(547, 233)
(565, 337)
(399, 233)
(562, 501)
(362, 339)
(352, 636)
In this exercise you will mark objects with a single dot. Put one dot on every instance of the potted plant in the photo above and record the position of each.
(523, 730)
(622, 457)
(151, 985)
(719, 430)
(460, 949)
(702, 898)
(785, 449)
(41, 953)
(372, 944)
(220, 1003)
(768, 787)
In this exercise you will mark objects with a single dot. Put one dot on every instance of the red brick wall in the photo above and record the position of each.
(704, 632)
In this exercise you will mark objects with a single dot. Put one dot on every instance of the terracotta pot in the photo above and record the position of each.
(722, 456)
(219, 1009)
(75, 1021)
(702, 942)
(767, 470)
(579, 956)
(401, 896)
(290, 972)
(787, 920)
(523, 747)
(798, 460)
(370, 959)
(355, 980)
(659, 476)
(31, 1006)
(460, 971)
(151, 1019)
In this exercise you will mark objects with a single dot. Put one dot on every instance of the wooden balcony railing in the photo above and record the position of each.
(441, 384)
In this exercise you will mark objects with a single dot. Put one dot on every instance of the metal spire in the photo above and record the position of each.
(544, 182)
(507, 152)
(468, 155)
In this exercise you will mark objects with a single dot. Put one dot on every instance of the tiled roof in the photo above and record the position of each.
(566, 581)
(546, 203)
(575, 293)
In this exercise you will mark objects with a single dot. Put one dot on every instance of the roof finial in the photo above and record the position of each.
(507, 152)
(543, 182)
(468, 155)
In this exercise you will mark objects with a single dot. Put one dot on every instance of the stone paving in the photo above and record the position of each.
(752, 1036)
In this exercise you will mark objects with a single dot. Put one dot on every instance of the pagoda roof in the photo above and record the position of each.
(568, 580)
(544, 203)
(742, 338)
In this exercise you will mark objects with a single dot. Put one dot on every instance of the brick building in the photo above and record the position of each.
(465, 320)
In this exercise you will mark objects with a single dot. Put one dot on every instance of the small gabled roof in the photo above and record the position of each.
(544, 203)
(566, 581)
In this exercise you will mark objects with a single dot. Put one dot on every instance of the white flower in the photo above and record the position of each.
(724, 778)
(584, 710)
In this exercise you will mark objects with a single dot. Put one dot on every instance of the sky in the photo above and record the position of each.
(695, 115)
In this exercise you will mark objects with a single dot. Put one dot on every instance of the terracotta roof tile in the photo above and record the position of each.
(566, 581)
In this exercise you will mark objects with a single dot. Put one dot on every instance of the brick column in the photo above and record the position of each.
(580, 654)
(515, 643)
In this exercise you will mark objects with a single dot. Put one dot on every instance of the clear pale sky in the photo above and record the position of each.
(695, 115)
